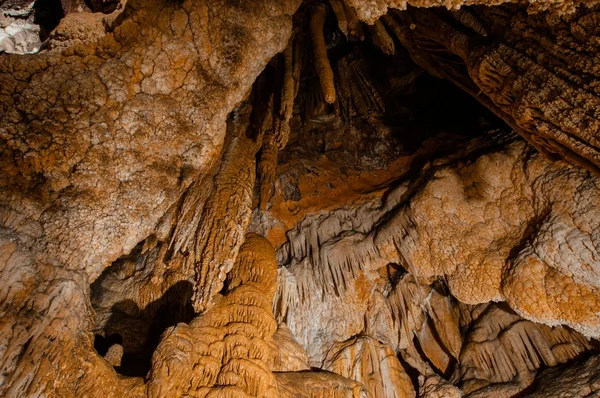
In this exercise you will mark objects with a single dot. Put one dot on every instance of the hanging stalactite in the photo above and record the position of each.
(340, 13)
(381, 38)
(276, 138)
(228, 210)
(322, 66)
(355, 30)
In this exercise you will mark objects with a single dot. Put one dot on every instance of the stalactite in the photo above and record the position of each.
(322, 66)
(288, 94)
(444, 316)
(393, 26)
(268, 158)
(364, 96)
(340, 14)
(355, 30)
(345, 90)
(381, 38)
(227, 211)
(299, 47)
(469, 19)
(275, 138)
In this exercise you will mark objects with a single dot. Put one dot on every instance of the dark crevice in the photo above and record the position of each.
(47, 14)
(139, 330)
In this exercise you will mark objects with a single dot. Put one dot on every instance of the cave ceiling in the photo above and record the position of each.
(341, 198)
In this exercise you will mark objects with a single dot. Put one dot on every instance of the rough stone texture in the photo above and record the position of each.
(78, 29)
(578, 380)
(19, 34)
(373, 364)
(98, 142)
(505, 351)
(462, 220)
(129, 169)
(317, 385)
(370, 10)
(537, 72)
(434, 386)
(333, 285)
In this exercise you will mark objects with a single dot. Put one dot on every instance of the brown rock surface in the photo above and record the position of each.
(373, 364)
(421, 245)
(370, 10)
(527, 69)
(578, 380)
(98, 143)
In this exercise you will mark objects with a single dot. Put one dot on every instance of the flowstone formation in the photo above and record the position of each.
(340, 198)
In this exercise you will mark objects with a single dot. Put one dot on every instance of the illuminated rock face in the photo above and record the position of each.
(219, 199)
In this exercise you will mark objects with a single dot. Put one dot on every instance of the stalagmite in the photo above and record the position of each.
(318, 385)
(225, 352)
(114, 356)
(288, 354)
(113, 132)
(322, 66)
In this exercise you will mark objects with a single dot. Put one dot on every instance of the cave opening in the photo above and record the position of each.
(123, 327)
(47, 14)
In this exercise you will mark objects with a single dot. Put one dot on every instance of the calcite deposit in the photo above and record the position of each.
(320, 199)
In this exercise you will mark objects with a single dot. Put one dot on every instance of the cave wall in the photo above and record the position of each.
(98, 143)
(129, 160)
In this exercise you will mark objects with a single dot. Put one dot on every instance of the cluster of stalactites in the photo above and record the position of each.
(276, 127)
(352, 28)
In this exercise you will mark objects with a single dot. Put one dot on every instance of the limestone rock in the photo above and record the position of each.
(78, 29)
(288, 354)
(98, 143)
(370, 10)
(371, 363)
(19, 34)
(506, 74)
(434, 386)
(441, 254)
(504, 349)
(317, 385)
(578, 380)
